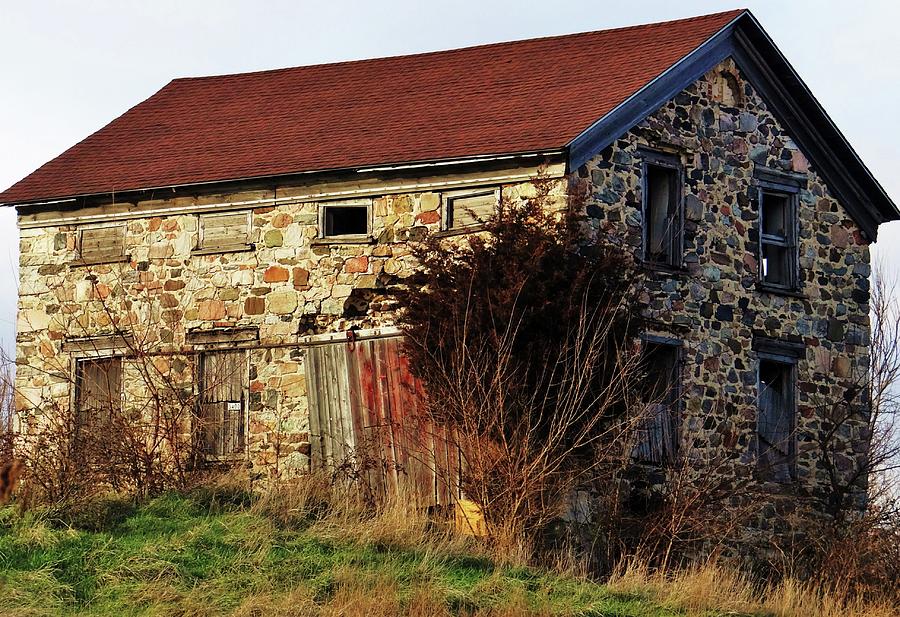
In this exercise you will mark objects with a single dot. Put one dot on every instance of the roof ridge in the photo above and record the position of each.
(480, 46)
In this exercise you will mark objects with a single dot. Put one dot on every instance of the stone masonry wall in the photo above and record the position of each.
(288, 287)
(720, 129)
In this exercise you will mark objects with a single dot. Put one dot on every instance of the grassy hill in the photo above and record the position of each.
(202, 554)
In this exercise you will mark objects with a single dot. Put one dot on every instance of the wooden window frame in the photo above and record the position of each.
(790, 366)
(787, 185)
(675, 408)
(788, 354)
(365, 238)
(202, 249)
(788, 243)
(675, 254)
(82, 259)
(447, 209)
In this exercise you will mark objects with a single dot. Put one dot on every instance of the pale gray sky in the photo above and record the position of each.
(69, 67)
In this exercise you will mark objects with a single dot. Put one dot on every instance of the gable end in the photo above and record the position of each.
(791, 102)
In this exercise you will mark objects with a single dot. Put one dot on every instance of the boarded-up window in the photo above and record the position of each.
(98, 391)
(471, 207)
(366, 415)
(656, 439)
(230, 230)
(775, 420)
(662, 219)
(102, 244)
(223, 403)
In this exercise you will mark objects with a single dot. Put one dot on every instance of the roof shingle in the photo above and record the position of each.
(521, 96)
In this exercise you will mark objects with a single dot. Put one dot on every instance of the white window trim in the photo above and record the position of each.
(357, 203)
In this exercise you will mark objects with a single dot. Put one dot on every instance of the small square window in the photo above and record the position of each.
(662, 213)
(778, 261)
(102, 244)
(470, 208)
(344, 221)
(224, 231)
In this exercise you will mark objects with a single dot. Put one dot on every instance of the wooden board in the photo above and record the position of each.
(367, 416)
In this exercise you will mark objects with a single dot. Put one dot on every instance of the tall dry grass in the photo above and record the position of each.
(716, 587)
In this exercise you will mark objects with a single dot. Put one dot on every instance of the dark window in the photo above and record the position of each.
(776, 420)
(778, 240)
(656, 440)
(662, 218)
(345, 221)
(98, 391)
(223, 376)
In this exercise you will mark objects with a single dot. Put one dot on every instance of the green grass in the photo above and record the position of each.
(178, 555)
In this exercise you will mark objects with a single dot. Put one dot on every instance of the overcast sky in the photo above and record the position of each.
(69, 67)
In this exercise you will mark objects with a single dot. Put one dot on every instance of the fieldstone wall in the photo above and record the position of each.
(720, 129)
(290, 285)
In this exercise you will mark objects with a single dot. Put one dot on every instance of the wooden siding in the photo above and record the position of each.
(367, 418)
(223, 403)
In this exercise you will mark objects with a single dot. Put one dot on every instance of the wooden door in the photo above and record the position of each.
(367, 416)
(223, 403)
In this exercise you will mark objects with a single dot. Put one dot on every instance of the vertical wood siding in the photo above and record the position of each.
(367, 416)
(98, 391)
(223, 403)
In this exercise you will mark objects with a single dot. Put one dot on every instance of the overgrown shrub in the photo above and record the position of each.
(523, 335)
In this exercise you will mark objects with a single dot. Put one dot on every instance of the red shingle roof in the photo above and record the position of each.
(504, 98)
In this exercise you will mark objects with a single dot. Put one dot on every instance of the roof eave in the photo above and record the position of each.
(556, 154)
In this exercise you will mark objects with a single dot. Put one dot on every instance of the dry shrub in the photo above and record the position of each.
(524, 342)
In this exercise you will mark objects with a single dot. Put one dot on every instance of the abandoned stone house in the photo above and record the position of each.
(249, 226)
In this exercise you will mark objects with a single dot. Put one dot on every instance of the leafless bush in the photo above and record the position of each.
(130, 424)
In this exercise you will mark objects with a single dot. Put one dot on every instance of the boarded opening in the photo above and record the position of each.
(467, 208)
(223, 402)
(101, 244)
(656, 439)
(98, 391)
(367, 420)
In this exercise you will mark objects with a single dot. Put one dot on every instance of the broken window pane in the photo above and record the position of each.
(776, 264)
(656, 438)
(346, 221)
(660, 207)
(778, 245)
(775, 421)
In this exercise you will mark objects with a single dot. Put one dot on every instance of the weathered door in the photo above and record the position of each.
(367, 418)
(223, 403)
